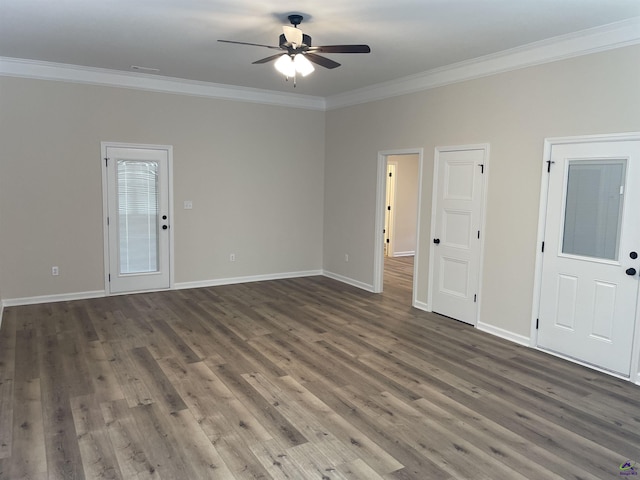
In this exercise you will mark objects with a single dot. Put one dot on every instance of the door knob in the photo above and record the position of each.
(630, 271)
(164, 227)
(633, 255)
(436, 241)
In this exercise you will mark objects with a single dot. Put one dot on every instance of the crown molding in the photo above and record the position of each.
(17, 67)
(584, 42)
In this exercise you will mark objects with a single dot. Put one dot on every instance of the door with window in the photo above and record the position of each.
(590, 265)
(138, 240)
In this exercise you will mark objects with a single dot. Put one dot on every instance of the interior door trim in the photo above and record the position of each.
(542, 212)
(105, 207)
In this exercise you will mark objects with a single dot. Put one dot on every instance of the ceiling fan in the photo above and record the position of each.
(299, 53)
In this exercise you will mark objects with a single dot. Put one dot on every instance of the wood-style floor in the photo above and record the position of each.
(295, 379)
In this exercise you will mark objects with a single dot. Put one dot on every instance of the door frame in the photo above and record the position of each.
(634, 375)
(483, 208)
(105, 207)
(378, 235)
(391, 202)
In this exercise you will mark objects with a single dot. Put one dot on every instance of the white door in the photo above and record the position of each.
(138, 238)
(458, 199)
(589, 290)
(390, 209)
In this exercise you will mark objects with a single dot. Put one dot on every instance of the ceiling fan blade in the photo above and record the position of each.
(341, 49)
(322, 61)
(293, 35)
(268, 59)
(251, 44)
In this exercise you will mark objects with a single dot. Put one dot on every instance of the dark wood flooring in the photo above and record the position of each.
(295, 379)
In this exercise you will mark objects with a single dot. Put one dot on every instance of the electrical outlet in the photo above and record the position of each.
(55, 271)
(346, 257)
(232, 257)
(188, 204)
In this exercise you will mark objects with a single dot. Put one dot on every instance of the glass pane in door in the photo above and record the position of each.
(137, 183)
(593, 210)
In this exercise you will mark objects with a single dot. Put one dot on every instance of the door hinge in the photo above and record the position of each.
(549, 162)
(542, 247)
(481, 167)
(475, 297)
(387, 240)
(389, 207)
(109, 277)
(107, 221)
(537, 323)
(478, 234)
(106, 161)
(391, 174)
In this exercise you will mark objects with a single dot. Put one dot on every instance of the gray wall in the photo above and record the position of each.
(514, 112)
(256, 187)
(406, 207)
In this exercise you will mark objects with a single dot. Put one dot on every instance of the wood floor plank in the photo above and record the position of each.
(7, 379)
(29, 456)
(128, 441)
(105, 384)
(301, 378)
(266, 413)
(162, 390)
(135, 391)
(63, 452)
(217, 409)
(96, 450)
(276, 461)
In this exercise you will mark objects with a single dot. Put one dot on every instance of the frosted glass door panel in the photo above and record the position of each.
(593, 211)
(138, 216)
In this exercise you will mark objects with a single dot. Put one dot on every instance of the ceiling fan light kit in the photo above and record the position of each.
(299, 54)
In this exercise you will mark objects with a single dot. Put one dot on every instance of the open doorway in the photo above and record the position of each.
(397, 217)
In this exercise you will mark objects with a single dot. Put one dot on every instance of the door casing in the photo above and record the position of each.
(544, 190)
(381, 199)
(390, 214)
(105, 206)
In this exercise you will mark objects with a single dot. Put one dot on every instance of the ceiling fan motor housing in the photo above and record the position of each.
(306, 40)
(295, 19)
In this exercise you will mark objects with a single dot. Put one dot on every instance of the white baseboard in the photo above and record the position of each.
(247, 279)
(404, 254)
(1, 311)
(349, 281)
(64, 297)
(422, 306)
(638, 379)
(506, 334)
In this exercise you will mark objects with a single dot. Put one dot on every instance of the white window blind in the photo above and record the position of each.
(138, 216)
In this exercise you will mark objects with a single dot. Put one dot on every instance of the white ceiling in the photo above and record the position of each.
(179, 37)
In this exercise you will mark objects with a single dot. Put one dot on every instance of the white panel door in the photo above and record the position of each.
(138, 219)
(456, 251)
(589, 290)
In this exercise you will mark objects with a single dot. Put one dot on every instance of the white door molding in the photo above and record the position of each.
(378, 245)
(105, 204)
